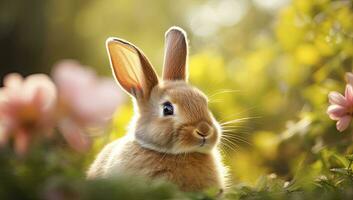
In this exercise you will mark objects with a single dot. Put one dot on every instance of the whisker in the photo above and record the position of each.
(242, 132)
(238, 114)
(238, 138)
(234, 145)
(238, 120)
(222, 92)
(233, 126)
(238, 133)
(227, 146)
(232, 133)
(235, 131)
(239, 128)
(224, 150)
(216, 100)
(228, 149)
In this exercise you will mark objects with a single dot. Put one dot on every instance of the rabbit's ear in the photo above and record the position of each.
(176, 53)
(131, 68)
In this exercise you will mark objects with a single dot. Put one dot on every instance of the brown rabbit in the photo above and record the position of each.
(173, 134)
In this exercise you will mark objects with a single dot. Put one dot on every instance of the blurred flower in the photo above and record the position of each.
(26, 108)
(86, 101)
(341, 108)
(307, 54)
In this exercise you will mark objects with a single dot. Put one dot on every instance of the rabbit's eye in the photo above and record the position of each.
(168, 108)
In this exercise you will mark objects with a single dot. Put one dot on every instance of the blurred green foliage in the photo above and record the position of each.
(275, 67)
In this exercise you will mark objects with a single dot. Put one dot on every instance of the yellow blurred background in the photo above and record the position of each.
(271, 62)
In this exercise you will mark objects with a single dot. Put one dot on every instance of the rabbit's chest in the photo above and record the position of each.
(187, 173)
(190, 172)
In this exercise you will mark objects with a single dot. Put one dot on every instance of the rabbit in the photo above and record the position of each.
(173, 135)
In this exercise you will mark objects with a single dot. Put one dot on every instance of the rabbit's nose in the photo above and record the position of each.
(203, 130)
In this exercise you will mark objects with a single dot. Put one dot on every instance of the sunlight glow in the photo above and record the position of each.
(207, 19)
(270, 4)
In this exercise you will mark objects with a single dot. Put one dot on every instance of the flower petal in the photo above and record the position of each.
(343, 123)
(74, 135)
(89, 99)
(349, 95)
(4, 135)
(349, 78)
(13, 80)
(21, 142)
(335, 112)
(40, 91)
(23, 100)
(337, 98)
(97, 105)
(71, 78)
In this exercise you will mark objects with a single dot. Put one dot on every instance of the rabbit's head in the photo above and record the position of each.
(171, 115)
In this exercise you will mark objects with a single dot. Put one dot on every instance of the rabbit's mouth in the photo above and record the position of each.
(199, 138)
(203, 142)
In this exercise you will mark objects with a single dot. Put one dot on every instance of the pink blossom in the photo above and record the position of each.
(341, 108)
(26, 109)
(86, 101)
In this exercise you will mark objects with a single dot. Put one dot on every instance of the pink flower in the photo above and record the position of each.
(341, 108)
(26, 109)
(86, 101)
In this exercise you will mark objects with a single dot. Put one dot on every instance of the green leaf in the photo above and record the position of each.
(349, 157)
